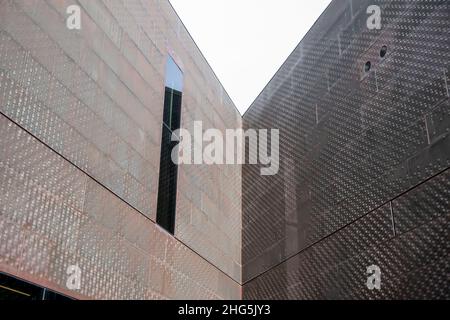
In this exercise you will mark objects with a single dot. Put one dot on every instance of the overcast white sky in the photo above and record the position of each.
(246, 41)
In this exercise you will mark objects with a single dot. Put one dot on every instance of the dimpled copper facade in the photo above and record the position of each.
(364, 119)
(80, 137)
(365, 153)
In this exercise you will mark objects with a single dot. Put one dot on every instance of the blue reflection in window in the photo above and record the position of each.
(174, 76)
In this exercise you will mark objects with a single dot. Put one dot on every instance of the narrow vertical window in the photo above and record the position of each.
(167, 189)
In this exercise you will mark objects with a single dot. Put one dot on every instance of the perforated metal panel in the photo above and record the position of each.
(364, 160)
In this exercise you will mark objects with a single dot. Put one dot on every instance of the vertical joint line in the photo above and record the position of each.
(427, 130)
(446, 83)
(317, 115)
(393, 219)
(328, 80)
(376, 79)
(339, 43)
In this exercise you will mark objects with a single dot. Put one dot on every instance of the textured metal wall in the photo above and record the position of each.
(53, 216)
(365, 157)
(364, 169)
(81, 113)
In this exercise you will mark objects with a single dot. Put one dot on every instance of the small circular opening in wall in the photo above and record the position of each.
(367, 66)
(383, 51)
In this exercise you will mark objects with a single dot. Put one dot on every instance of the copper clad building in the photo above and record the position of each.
(87, 183)
(81, 132)
(364, 119)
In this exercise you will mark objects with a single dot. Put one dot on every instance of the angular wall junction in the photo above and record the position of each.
(364, 117)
